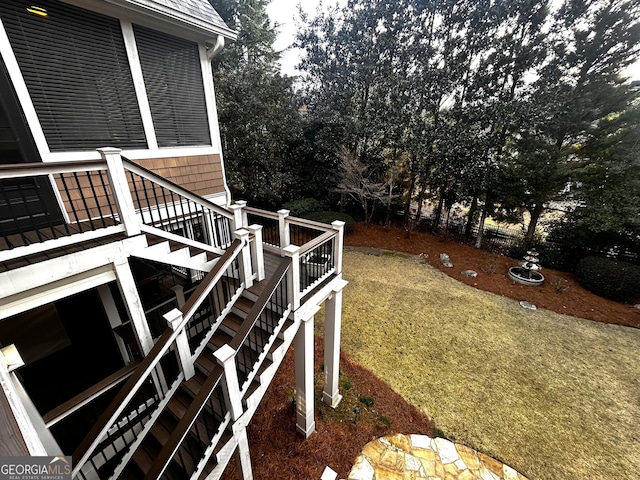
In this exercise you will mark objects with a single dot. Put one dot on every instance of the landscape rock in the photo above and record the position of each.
(470, 273)
(527, 305)
(444, 258)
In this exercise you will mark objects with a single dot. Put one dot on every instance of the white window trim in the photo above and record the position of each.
(19, 85)
(138, 83)
(212, 112)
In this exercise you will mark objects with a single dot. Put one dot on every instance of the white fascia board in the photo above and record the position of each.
(51, 292)
(153, 15)
(20, 280)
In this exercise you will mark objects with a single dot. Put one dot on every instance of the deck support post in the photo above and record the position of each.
(243, 457)
(174, 319)
(129, 291)
(305, 421)
(120, 189)
(283, 227)
(257, 252)
(332, 326)
(179, 291)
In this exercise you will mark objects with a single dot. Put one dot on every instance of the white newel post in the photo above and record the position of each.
(305, 421)
(257, 253)
(239, 216)
(283, 227)
(338, 245)
(226, 357)
(174, 319)
(293, 281)
(333, 319)
(120, 189)
(246, 273)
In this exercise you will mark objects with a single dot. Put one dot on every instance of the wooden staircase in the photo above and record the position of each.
(185, 462)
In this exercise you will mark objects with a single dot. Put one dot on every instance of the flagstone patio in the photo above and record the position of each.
(415, 457)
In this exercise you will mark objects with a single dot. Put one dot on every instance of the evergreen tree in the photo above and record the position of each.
(259, 121)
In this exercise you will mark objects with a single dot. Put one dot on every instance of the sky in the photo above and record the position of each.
(284, 11)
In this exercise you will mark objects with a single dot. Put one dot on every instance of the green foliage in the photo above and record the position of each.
(260, 126)
(368, 401)
(385, 421)
(303, 206)
(613, 279)
(328, 217)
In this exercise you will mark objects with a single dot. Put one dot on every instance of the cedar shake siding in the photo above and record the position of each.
(201, 174)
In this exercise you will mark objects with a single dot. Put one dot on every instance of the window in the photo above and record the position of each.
(76, 69)
(173, 80)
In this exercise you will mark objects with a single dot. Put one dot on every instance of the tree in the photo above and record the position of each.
(578, 90)
(356, 183)
(258, 111)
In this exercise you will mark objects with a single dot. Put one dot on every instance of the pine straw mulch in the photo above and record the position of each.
(278, 452)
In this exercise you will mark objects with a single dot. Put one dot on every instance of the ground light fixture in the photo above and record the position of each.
(38, 11)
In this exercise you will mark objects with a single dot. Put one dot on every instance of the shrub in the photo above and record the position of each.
(609, 278)
(302, 206)
(368, 401)
(328, 217)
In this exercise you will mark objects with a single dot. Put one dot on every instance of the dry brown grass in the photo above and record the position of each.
(554, 396)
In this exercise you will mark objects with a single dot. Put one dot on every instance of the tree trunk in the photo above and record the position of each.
(407, 205)
(488, 203)
(531, 229)
(471, 216)
(438, 213)
(423, 188)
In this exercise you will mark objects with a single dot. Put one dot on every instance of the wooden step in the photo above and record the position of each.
(206, 362)
(193, 385)
(244, 305)
(178, 404)
(219, 339)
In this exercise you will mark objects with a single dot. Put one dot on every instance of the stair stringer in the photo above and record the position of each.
(252, 402)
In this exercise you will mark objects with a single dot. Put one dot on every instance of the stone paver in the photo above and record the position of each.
(414, 457)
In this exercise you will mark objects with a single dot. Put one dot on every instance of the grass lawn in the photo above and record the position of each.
(555, 397)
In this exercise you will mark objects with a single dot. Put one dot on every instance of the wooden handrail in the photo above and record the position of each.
(61, 411)
(252, 317)
(182, 429)
(303, 222)
(124, 395)
(311, 244)
(17, 170)
(260, 212)
(150, 362)
(152, 176)
(180, 432)
(205, 285)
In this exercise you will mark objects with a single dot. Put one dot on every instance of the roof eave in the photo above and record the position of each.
(162, 12)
